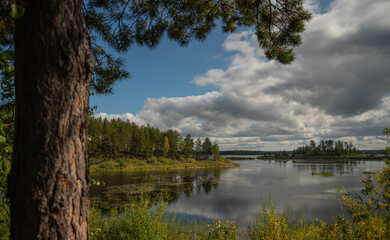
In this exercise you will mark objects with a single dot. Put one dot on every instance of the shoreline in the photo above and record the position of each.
(130, 164)
(311, 158)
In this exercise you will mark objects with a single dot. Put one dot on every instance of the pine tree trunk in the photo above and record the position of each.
(48, 185)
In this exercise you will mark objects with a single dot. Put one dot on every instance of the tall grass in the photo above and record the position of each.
(4, 219)
(272, 225)
(140, 221)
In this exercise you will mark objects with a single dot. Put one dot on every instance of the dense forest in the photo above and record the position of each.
(117, 138)
(326, 148)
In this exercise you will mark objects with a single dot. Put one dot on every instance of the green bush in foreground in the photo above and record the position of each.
(271, 225)
(141, 222)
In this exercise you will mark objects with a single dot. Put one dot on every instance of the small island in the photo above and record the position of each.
(117, 145)
(325, 150)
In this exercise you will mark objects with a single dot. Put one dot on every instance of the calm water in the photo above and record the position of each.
(235, 193)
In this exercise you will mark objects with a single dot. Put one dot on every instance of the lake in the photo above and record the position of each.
(305, 187)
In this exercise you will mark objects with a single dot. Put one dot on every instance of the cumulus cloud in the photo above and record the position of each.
(338, 86)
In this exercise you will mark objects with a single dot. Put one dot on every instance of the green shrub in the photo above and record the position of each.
(222, 160)
(123, 162)
(138, 162)
(165, 160)
(141, 221)
(218, 230)
(108, 165)
(269, 224)
(138, 221)
(152, 160)
(191, 160)
(4, 219)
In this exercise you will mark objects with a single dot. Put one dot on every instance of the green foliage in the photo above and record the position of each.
(164, 160)
(108, 70)
(220, 231)
(138, 221)
(4, 221)
(191, 160)
(370, 210)
(215, 152)
(326, 148)
(375, 197)
(109, 165)
(117, 138)
(6, 113)
(9, 12)
(95, 182)
(17, 11)
(123, 23)
(198, 148)
(222, 160)
(272, 225)
(5, 166)
(123, 162)
(152, 160)
(269, 224)
(207, 148)
(187, 146)
(144, 219)
(7, 71)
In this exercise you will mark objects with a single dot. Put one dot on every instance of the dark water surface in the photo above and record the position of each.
(235, 193)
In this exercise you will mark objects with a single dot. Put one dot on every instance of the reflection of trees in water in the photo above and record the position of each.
(164, 186)
(336, 167)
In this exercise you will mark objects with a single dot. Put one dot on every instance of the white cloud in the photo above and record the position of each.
(125, 117)
(338, 87)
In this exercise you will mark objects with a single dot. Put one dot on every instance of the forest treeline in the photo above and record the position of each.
(326, 148)
(117, 137)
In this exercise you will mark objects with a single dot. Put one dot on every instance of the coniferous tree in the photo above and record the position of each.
(55, 56)
(173, 137)
(187, 146)
(207, 148)
(215, 151)
(198, 148)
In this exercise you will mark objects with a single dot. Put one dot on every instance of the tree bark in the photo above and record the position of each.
(48, 185)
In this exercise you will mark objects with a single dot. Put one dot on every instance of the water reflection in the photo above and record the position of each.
(235, 193)
(121, 187)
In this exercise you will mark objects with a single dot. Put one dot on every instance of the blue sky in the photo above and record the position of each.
(166, 71)
(223, 88)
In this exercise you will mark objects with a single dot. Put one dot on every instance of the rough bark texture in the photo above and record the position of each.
(48, 184)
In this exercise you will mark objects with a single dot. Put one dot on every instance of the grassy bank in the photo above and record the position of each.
(153, 163)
